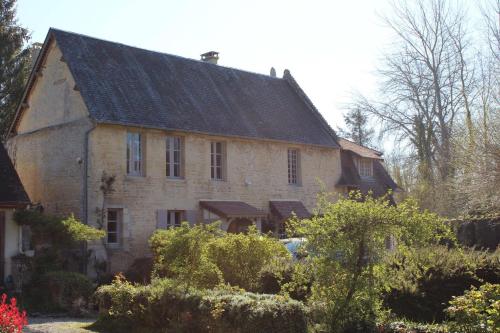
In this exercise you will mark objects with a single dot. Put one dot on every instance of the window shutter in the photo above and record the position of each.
(161, 219)
(191, 216)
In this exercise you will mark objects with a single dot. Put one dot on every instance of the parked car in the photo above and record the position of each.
(296, 247)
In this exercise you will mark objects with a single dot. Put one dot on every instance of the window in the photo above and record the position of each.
(174, 218)
(134, 154)
(293, 166)
(174, 157)
(217, 160)
(26, 237)
(365, 167)
(113, 226)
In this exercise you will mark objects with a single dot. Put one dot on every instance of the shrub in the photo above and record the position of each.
(241, 257)
(56, 231)
(11, 320)
(181, 253)
(204, 256)
(165, 306)
(293, 279)
(63, 291)
(424, 281)
(140, 271)
(477, 311)
(347, 243)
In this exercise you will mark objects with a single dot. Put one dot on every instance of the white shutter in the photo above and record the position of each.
(161, 219)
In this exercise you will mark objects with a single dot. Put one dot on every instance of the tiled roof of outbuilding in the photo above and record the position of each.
(358, 149)
(12, 192)
(126, 85)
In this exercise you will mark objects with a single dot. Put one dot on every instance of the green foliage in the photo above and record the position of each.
(423, 281)
(240, 257)
(203, 256)
(59, 291)
(165, 306)
(79, 232)
(140, 271)
(181, 253)
(477, 311)
(53, 285)
(347, 242)
(55, 230)
(15, 61)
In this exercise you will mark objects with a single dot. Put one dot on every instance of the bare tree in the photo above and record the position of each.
(426, 80)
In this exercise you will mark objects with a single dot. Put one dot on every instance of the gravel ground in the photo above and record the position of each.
(58, 325)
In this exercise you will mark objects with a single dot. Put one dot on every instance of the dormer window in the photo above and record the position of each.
(365, 167)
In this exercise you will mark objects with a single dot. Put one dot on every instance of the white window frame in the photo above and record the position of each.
(134, 154)
(293, 162)
(217, 160)
(118, 227)
(174, 157)
(174, 218)
(365, 167)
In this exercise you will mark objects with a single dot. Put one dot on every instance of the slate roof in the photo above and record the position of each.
(126, 85)
(12, 192)
(230, 209)
(284, 209)
(358, 149)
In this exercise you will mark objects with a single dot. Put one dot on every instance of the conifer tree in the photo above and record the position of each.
(14, 63)
(357, 129)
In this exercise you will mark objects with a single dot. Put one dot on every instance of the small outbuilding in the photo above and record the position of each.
(12, 197)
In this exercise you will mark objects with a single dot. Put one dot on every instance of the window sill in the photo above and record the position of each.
(295, 185)
(218, 180)
(176, 179)
(134, 176)
(113, 246)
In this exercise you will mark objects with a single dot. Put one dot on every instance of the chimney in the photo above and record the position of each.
(211, 57)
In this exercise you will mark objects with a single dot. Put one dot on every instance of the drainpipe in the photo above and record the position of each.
(85, 201)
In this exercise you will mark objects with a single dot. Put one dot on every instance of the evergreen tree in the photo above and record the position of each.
(357, 127)
(14, 63)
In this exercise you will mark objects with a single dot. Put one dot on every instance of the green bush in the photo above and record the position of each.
(347, 244)
(140, 270)
(241, 257)
(203, 256)
(181, 253)
(424, 281)
(60, 291)
(56, 231)
(477, 311)
(165, 306)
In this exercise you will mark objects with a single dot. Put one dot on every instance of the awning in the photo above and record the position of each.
(230, 209)
(285, 209)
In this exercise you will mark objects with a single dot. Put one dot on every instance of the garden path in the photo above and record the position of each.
(58, 325)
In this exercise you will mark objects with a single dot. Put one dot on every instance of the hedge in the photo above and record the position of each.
(165, 306)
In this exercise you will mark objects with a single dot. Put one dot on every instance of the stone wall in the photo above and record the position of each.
(48, 150)
(256, 174)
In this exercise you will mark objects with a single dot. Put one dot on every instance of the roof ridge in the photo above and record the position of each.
(164, 53)
(375, 150)
(300, 92)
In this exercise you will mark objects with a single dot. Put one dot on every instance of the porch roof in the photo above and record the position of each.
(285, 209)
(229, 209)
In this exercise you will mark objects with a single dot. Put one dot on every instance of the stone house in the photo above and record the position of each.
(12, 197)
(183, 140)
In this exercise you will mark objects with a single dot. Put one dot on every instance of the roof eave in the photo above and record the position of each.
(31, 80)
